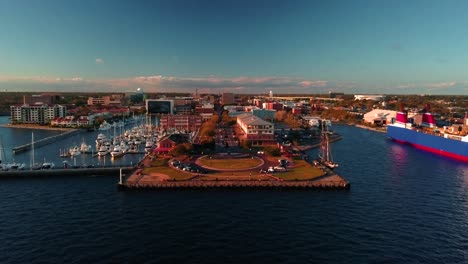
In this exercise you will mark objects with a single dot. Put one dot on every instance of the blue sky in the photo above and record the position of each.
(242, 46)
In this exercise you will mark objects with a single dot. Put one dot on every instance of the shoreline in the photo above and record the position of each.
(371, 128)
(39, 127)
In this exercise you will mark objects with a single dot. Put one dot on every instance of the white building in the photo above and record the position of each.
(369, 97)
(36, 114)
(259, 132)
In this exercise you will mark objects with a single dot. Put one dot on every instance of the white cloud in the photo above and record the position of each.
(99, 60)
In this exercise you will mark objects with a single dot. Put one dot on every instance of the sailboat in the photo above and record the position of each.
(34, 165)
(9, 166)
(2, 156)
(325, 157)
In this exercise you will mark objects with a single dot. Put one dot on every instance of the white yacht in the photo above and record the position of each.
(105, 126)
(75, 151)
(14, 166)
(100, 138)
(85, 148)
(102, 151)
(117, 152)
(48, 165)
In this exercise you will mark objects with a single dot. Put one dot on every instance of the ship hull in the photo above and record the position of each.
(451, 148)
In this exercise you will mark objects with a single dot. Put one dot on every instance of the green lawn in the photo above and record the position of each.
(301, 171)
(161, 166)
(238, 164)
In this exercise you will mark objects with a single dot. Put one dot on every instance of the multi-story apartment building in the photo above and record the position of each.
(36, 114)
(180, 122)
(256, 130)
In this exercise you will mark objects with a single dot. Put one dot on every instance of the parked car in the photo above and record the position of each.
(271, 169)
(175, 163)
(279, 168)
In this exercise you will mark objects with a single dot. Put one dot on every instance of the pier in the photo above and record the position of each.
(44, 141)
(111, 171)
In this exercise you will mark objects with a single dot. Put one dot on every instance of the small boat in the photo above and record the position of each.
(75, 151)
(102, 151)
(48, 165)
(149, 145)
(100, 138)
(14, 166)
(105, 126)
(85, 148)
(117, 152)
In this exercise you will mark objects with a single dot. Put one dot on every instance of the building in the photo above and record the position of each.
(39, 99)
(105, 100)
(160, 106)
(227, 98)
(183, 109)
(369, 97)
(256, 130)
(180, 122)
(205, 111)
(379, 116)
(264, 114)
(273, 106)
(167, 143)
(36, 114)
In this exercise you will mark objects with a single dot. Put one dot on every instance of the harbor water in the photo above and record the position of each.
(14, 137)
(404, 206)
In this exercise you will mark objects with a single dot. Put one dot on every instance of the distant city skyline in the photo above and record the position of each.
(373, 47)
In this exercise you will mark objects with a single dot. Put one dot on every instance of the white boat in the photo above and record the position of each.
(75, 151)
(117, 152)
(48, 165)
(17, 166)
(124, 146)
(105, 126)
(85, 148)
(102, 151)
(149, 145)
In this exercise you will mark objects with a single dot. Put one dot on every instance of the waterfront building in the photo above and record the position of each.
(36, 114)
(180, 122)
(256, 130)
(167, 143)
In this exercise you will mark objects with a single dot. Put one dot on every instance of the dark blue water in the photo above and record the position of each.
(405, 206)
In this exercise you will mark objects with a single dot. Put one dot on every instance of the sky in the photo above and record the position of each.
(310, 46)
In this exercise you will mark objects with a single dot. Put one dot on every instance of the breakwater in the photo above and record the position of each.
(44, 141)
(115, 171)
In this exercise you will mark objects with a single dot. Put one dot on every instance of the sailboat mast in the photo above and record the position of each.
(32, 148)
